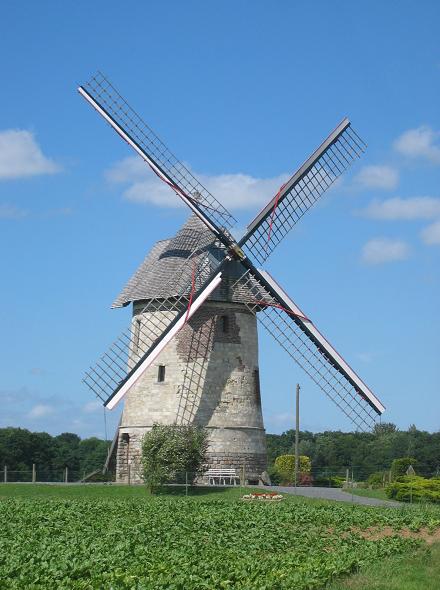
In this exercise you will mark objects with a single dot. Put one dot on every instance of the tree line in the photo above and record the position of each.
(360, 452)
(331, 452)
(20, 449)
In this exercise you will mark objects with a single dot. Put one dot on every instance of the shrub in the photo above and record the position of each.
(378, 479)
(400, 466)
(275, 478)
(417, 489)
(285, 467)
(330, 481)
(170, 450)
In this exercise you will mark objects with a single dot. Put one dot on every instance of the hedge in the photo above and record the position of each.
(415, 489)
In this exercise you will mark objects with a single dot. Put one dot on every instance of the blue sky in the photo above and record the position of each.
(242, 92)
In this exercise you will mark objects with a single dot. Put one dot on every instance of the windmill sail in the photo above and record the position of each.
(156, 348)
(184, 279)
(302, 191)
(298, 336)
(100, 93)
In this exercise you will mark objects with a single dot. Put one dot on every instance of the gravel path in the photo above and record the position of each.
(333, 494)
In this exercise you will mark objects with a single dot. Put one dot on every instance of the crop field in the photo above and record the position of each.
(121, 538)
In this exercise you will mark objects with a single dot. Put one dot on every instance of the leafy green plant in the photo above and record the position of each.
(376, 480)
(415, 489)
(285, 467)
(274, 475)
(187, 544)
(331, 481)
(170, 450)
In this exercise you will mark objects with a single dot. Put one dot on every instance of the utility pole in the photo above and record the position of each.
(297, 436)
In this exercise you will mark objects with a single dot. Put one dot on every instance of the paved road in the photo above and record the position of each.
(333, 494)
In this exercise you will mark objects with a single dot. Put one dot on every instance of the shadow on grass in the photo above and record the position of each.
(118, 491)
(180, 490)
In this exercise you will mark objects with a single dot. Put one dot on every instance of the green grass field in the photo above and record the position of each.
(417, 571)
(113, 491)
(380, 493)
(117, 537)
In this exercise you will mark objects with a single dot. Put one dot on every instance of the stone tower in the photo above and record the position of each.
(207, 375)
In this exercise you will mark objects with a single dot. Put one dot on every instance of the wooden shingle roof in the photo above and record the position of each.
(153, 278)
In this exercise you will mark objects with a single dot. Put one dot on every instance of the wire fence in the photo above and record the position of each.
(45, 475)
(351, 476)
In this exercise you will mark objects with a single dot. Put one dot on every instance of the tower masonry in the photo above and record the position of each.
(207, 375)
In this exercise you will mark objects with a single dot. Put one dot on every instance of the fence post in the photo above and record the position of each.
(5, 474)
(66, 475)
(34, 473)
(297, 462)
(186, 483)
(129, 474)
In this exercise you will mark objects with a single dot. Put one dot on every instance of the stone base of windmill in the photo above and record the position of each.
(251, 465)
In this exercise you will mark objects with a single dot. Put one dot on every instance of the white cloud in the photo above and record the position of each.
(383, 177)
(12, 212)
(406, 209)
(234, 191)
(30, 409)
(422, 142)
(382, 250)
(431, 234)
(20, 155)
(41, 411)
(92, 406)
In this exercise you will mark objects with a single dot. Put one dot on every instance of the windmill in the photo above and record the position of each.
(190, 354)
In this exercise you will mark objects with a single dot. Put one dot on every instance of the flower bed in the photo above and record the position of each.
(266, 496)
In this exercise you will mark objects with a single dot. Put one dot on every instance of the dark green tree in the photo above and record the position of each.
(400, 466)
(92, 454)
(168, 451)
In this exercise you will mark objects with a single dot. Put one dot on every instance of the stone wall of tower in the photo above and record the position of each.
(221, 357)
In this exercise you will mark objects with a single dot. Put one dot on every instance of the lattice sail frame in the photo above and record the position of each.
(129, 350)
(104, 97)
(302, 191)
(287, 328)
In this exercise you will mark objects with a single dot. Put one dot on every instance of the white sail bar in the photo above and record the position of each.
(325, 344)
(341, 148)
(148, 360)
(109, 103)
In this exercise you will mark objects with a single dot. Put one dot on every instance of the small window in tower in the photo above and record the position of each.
(161, 373)
(224, 324)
